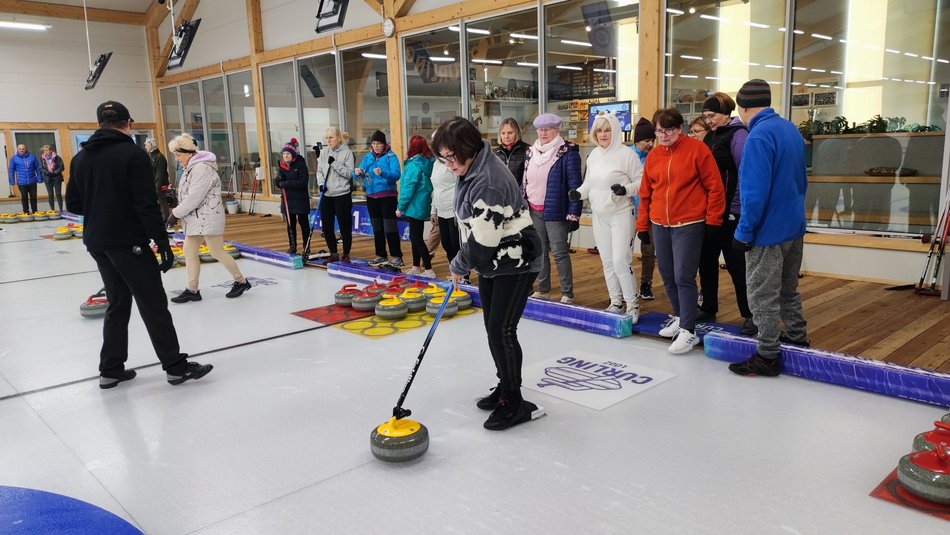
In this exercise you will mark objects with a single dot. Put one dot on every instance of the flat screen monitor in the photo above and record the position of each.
(621, 110)
(97, 69)
(185, 34)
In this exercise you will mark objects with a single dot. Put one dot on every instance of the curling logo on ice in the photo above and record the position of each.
(580, 375)
(255, 281)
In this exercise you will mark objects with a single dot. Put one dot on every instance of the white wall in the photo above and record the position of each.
(286, 22)
(221, 36)
(426, 5)
(43, 74)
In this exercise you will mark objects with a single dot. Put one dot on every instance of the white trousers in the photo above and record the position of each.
(614, 237)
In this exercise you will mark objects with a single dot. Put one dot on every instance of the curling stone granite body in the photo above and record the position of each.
(40, 216)
(393, 290)
(928, 440)
(25, 218)
(62, 233)
(401, 441)
(365, 301)
(392, 308)
(53, 214)
(433, 305)
(433, 290)
(344, 297)
(232, 251)
(463, 299)
(945, 418)
(375, 288)
(95, 305)
(926, 474)
(414, 300)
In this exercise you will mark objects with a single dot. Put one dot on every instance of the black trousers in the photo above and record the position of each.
(449, 234)
(54, 186)
(125, 275)
(420, 253)
(503, 301)
(28, 198)
(293, 220)
(382, 214)
(735, 263)
(339, 208)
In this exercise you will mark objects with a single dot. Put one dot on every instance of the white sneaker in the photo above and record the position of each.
(541, 295)
(684, 342)
(414, 270)
(633, 310)
(428, 273)
(616, 308)
(567, 300)
(671, 327)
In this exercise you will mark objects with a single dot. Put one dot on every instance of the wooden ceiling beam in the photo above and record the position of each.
(58, 11)
(402, 8)
(376, 5)
(185, 14)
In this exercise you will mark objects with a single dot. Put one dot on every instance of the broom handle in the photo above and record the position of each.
(398, 411)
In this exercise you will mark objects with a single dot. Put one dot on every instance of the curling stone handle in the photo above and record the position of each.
(942, 426)
(348, 286)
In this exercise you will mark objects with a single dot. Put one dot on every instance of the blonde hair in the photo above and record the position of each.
(513, 123)
(599, 123)
(344, 136)
(183, 143)
(47, 147)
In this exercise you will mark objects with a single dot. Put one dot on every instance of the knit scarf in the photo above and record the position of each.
(541, 153)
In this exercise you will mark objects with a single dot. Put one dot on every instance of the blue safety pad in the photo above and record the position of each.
(651, 323)
(841, 369)
(29, 511)
(71, 217)
(260, 254)
(575, 317)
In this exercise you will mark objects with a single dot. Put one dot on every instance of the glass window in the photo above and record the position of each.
(243, 128)
(191, 106)
(433, 84)
(870, 103)
(367, 95)
(503, 71)
(280, 105)
(719, 45)
(321, 110)
(592, 59)
(172, 117)
(218, 133)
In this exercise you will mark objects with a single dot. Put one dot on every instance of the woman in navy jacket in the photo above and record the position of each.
(293, 179)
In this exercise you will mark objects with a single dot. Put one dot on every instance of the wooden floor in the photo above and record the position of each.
(858, 318)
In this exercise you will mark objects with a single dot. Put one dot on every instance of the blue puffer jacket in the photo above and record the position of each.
(25, 169)
(415, 192)
(383, 185)
(564, 176)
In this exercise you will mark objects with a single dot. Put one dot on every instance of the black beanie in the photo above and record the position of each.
(755, 93)
(643, 130)
(378, 136)
(712, 104)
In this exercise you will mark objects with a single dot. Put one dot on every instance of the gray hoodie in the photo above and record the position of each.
(337, 176)
(497, 236)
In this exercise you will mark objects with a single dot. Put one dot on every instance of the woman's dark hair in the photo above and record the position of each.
(726, 104)
(460, 136)
(668, 118)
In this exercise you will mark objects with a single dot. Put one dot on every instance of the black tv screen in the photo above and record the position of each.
(97, 69)
(186, 34)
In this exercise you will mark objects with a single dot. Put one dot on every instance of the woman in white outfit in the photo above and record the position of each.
(202, 215)
(613, 178)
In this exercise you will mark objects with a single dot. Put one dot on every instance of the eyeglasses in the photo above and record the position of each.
(666, 131)
(447, 158)
(709, 115)
(696, 133)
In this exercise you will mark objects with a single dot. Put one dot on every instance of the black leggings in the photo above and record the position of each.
(382, 214)
(292, 221)
(503, 301)
(340, 208)
(449, 234)
(709, 269)
(54, 187)
(419, 250)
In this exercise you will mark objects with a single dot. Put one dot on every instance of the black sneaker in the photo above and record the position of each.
(509, 414)
(187, 295)
(239, 288)
(784, 339)
(748, 328)
(757, 365)
(378, 261)
(704, 317)
(192, 371)
(112, 382)
(646, 291)
(489, 402)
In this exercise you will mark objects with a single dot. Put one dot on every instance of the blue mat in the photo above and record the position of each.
(30, 511)
(840, 369)
(651, 323)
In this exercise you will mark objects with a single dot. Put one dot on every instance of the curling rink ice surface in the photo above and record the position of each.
(276, 438)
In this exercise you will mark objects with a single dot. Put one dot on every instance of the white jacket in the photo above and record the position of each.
(616, 164)
(199, 197)
(443, 191)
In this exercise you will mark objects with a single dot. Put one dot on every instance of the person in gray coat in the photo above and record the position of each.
(335, 166)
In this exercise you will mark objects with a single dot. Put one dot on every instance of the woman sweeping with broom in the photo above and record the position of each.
(500, 243)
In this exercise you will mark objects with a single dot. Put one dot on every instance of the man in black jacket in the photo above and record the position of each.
(111, 187)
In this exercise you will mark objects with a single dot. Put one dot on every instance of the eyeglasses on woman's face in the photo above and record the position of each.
(447, 158)
(697, 132)
(666, 131)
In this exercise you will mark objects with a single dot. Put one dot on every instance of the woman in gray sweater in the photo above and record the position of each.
(335, 176)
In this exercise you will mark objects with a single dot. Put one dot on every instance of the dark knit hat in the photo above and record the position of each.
(643, 130)
(292, 146)
(112, 111)
(755, 93)
(378, 136)
(712, 104)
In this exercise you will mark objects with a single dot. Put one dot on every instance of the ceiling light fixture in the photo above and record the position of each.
(568, 67)
(14, 25)
(488, 61)
(576, 43)
(524, 36)
(373, 56)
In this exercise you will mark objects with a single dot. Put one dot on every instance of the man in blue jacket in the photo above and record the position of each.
(772, 183)
(25, 173)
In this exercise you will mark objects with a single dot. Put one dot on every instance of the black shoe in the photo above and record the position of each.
(784, 339)
(187, 295)
(704, 317)
(646, 291)
(112, 382)
(192, 371)
(489, 402)
(333, 258)
(757, 365)
(748, 327)
(509, 414)
(292, 250)
(239, 288)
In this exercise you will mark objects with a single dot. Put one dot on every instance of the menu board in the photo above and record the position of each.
(571, 84)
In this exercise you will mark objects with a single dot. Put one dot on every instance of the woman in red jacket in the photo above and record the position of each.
(682, 198)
